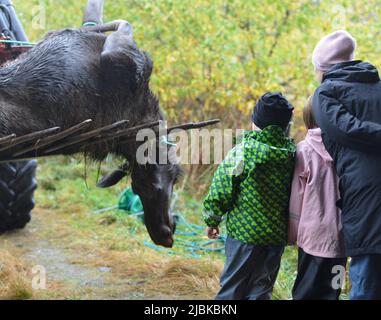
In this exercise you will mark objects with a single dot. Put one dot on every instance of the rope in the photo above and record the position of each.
(188, 235)
(90, 24)
(21, 43)
(164, 140)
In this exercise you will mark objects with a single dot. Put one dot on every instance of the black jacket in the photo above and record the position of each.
(347, 107)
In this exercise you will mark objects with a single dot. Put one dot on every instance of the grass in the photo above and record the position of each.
(14, 280)
(64, 221)
(119, 238)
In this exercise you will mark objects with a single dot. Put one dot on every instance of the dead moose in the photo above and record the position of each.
(48, 94)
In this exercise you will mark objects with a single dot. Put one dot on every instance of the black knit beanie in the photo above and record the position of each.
(272, 109)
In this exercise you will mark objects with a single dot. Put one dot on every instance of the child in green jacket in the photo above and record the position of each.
(252, 189)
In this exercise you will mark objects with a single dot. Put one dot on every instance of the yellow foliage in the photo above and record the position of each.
(213, 57)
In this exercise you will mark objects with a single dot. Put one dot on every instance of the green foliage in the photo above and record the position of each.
(214, 58)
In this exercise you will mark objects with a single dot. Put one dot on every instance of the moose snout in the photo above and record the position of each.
(164, 237)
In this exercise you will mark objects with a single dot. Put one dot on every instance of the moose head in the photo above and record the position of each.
(153, 181)
(127, 71)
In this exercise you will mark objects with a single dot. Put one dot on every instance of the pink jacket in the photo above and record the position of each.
(315, 221)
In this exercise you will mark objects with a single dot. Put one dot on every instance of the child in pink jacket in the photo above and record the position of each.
(315, 223)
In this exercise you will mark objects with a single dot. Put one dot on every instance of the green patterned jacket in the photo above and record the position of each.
(252, 188)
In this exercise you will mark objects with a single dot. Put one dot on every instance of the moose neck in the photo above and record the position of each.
(145, 110)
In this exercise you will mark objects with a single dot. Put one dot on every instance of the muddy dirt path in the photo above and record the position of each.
(66, 269)
(80, 267)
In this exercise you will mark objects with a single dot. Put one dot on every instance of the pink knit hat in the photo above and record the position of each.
(335, 48)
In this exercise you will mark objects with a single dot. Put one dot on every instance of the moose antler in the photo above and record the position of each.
(192, 125)
(6, 139)
(185, 126)
(53, 141)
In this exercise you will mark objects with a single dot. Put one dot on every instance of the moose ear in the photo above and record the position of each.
(113, 178)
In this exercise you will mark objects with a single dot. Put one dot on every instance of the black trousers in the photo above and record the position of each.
(250, 271)
(314, 279)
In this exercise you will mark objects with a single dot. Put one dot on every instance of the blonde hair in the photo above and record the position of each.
(308, 115)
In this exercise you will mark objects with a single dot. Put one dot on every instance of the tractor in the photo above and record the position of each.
(17, 179)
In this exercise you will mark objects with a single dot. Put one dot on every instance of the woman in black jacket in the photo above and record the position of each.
(347, 107)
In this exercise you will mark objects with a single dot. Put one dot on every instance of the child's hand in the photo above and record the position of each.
(213, 233)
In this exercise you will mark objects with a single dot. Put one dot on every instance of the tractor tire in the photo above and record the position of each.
(17, 186)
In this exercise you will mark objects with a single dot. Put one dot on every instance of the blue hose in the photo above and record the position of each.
(188, 235)
(192, 246)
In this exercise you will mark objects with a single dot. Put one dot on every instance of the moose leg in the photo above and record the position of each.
(93, 13)
(119, 40)
(107, 27)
